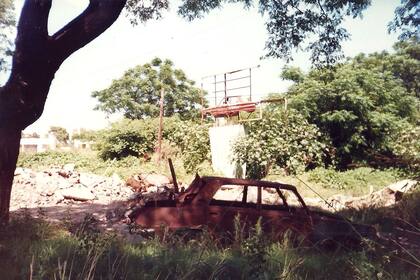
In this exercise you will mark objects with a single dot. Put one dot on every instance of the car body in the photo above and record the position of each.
(199, 207)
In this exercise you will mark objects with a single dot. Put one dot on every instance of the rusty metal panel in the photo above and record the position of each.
(195, 208)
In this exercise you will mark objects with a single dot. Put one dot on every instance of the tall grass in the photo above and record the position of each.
(35, 249)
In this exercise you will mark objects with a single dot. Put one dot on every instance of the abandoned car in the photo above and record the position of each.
(214, 202)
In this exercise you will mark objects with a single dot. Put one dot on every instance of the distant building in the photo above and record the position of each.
(37, 145)
(82, 144)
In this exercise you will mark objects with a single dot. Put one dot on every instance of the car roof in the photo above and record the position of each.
(248, 182)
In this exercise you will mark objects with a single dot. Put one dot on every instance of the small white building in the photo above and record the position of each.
(37, 145)
(82, 144)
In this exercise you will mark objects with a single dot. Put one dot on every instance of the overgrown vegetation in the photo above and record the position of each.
(284, 139)
(364, 103)
(137, 93)
(364, 111)
(352, 179)
(184, 139)
(35, 249)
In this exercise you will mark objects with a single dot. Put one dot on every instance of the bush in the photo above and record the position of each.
(363, 177)
(194, 142)
(128, 138)
(407, 145)
(139, 137)
(358, 106)
(48, 159)
(284, 139)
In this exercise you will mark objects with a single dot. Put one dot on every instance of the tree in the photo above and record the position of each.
(407, 20)
(284, 139)
(38, 55)
(359, 106)
(36, 59)
(60, 133)
(404, 64)
(7, 21)
(137, 93)
(85, 135)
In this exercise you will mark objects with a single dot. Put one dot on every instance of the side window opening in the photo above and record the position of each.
(247, 196)
(229, 193)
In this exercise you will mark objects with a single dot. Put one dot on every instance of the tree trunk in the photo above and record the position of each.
(9, 151)
(36, 59)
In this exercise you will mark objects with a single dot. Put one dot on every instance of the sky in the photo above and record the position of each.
(226, 39)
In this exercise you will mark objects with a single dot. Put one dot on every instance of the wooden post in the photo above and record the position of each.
(202, 103)
(159, 145)
(171, 167)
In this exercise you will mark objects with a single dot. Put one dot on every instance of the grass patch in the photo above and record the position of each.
(37, 249)
(88, 161)
(359, 178)
(355, 182)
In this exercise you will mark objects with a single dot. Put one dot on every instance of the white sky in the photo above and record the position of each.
(224, 40)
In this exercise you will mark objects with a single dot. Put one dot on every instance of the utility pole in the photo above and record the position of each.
(159, 145)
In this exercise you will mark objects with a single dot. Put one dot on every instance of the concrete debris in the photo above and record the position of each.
(385, 197)
(78, 192)
(62, 192)
(154, 180)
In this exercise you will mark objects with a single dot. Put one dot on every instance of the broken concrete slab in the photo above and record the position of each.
(78, 192)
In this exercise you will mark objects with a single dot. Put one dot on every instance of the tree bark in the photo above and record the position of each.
(9, 151)
(36, 59)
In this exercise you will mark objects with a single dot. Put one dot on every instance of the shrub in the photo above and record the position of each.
(284, 139)
(139, 137)
(194, 142)
(358, 106)
(407, 145)
(363, 177)
(128, 138)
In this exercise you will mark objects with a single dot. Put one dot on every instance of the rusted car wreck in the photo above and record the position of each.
(199, 206)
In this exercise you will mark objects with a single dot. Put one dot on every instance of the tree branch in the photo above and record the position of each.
(32, 31)
(95, 19)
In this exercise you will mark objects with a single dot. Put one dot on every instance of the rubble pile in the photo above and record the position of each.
(385, 197)
(58, 186)
(62, 193)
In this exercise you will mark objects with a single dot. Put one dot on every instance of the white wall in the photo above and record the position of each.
(221, 140)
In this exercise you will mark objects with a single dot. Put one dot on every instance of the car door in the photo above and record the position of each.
(228, 207)
(279, 216)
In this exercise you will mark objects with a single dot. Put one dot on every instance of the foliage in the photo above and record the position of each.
(139, 138)
(60, 134)
(128, 138)
(7, 21)
(311, 25)
(142, 11)
(407, 145)
(35, 249)
(406, 20)
(194, 143)
(137, 93)
(363, 177)
(86, 135)
(284, 139)
(88, 161)
(290, 24)
(404, 64)
(293, 74)
(359, 107)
